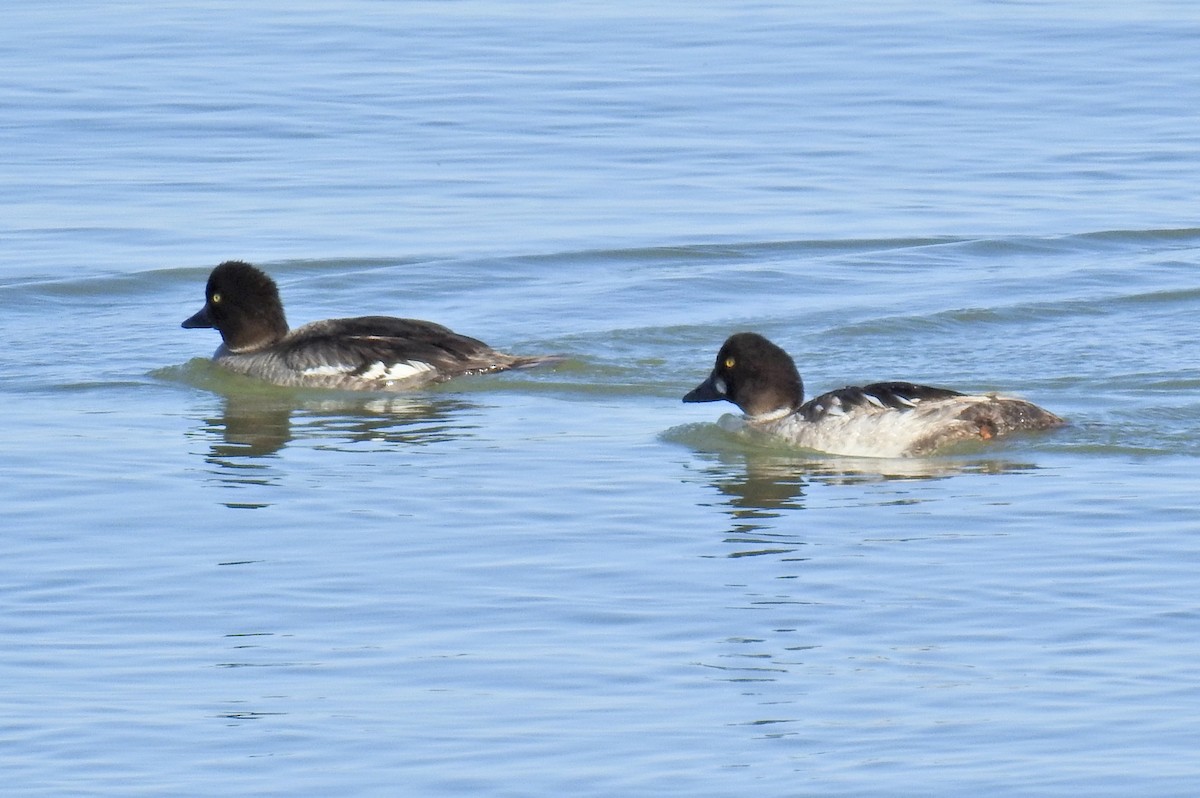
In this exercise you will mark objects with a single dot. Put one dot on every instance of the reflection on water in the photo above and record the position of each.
(248, 429)
(761, 484)
(783, 632)
(758, 487)
(756, 491)
(257, 422)
(254, 427)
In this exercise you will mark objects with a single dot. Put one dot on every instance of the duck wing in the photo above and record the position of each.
(872, 398)
(388, 349)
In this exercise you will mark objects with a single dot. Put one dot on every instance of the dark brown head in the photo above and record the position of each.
(243, 304)
(754, 374)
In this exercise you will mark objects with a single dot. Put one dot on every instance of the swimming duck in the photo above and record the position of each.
(370, 353)
(883, 419)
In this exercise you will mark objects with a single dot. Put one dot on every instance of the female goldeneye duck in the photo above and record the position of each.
(884, 419)
(370, 353)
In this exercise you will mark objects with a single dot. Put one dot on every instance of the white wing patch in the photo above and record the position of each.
(402, 370)
(327, 370)
(390, 372)
(378, 371)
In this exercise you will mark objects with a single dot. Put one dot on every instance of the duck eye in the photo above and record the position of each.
(730, 362)
(216, 299)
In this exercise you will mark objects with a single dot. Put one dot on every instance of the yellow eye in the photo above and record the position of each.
(730, 362)
(216, 299)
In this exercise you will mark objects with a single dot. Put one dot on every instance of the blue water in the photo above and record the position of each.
(564, 581)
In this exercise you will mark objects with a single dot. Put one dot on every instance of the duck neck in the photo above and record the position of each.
(770, 415)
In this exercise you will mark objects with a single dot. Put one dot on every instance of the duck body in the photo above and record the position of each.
(884, 419)
(369, 353)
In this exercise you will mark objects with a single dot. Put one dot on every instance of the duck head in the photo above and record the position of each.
(754, 374)
(243, 304)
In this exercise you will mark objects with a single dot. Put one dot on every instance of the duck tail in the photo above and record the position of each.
(1003, 416)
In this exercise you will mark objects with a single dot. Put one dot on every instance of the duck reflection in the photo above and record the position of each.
(756, 490)
(256, 426)
(759, 485)
(248, 429)
(791, 607)
(244, 441)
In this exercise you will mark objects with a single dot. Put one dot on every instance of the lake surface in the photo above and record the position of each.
(564, 581)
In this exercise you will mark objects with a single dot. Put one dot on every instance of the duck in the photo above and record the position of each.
(366, 353)
(882, 419)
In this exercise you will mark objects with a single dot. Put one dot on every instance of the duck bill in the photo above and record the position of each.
(711, 390)
(200, 319)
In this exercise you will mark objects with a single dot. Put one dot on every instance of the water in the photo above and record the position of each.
(564, 581)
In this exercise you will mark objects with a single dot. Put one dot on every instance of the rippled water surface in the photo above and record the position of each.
(564, 581)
